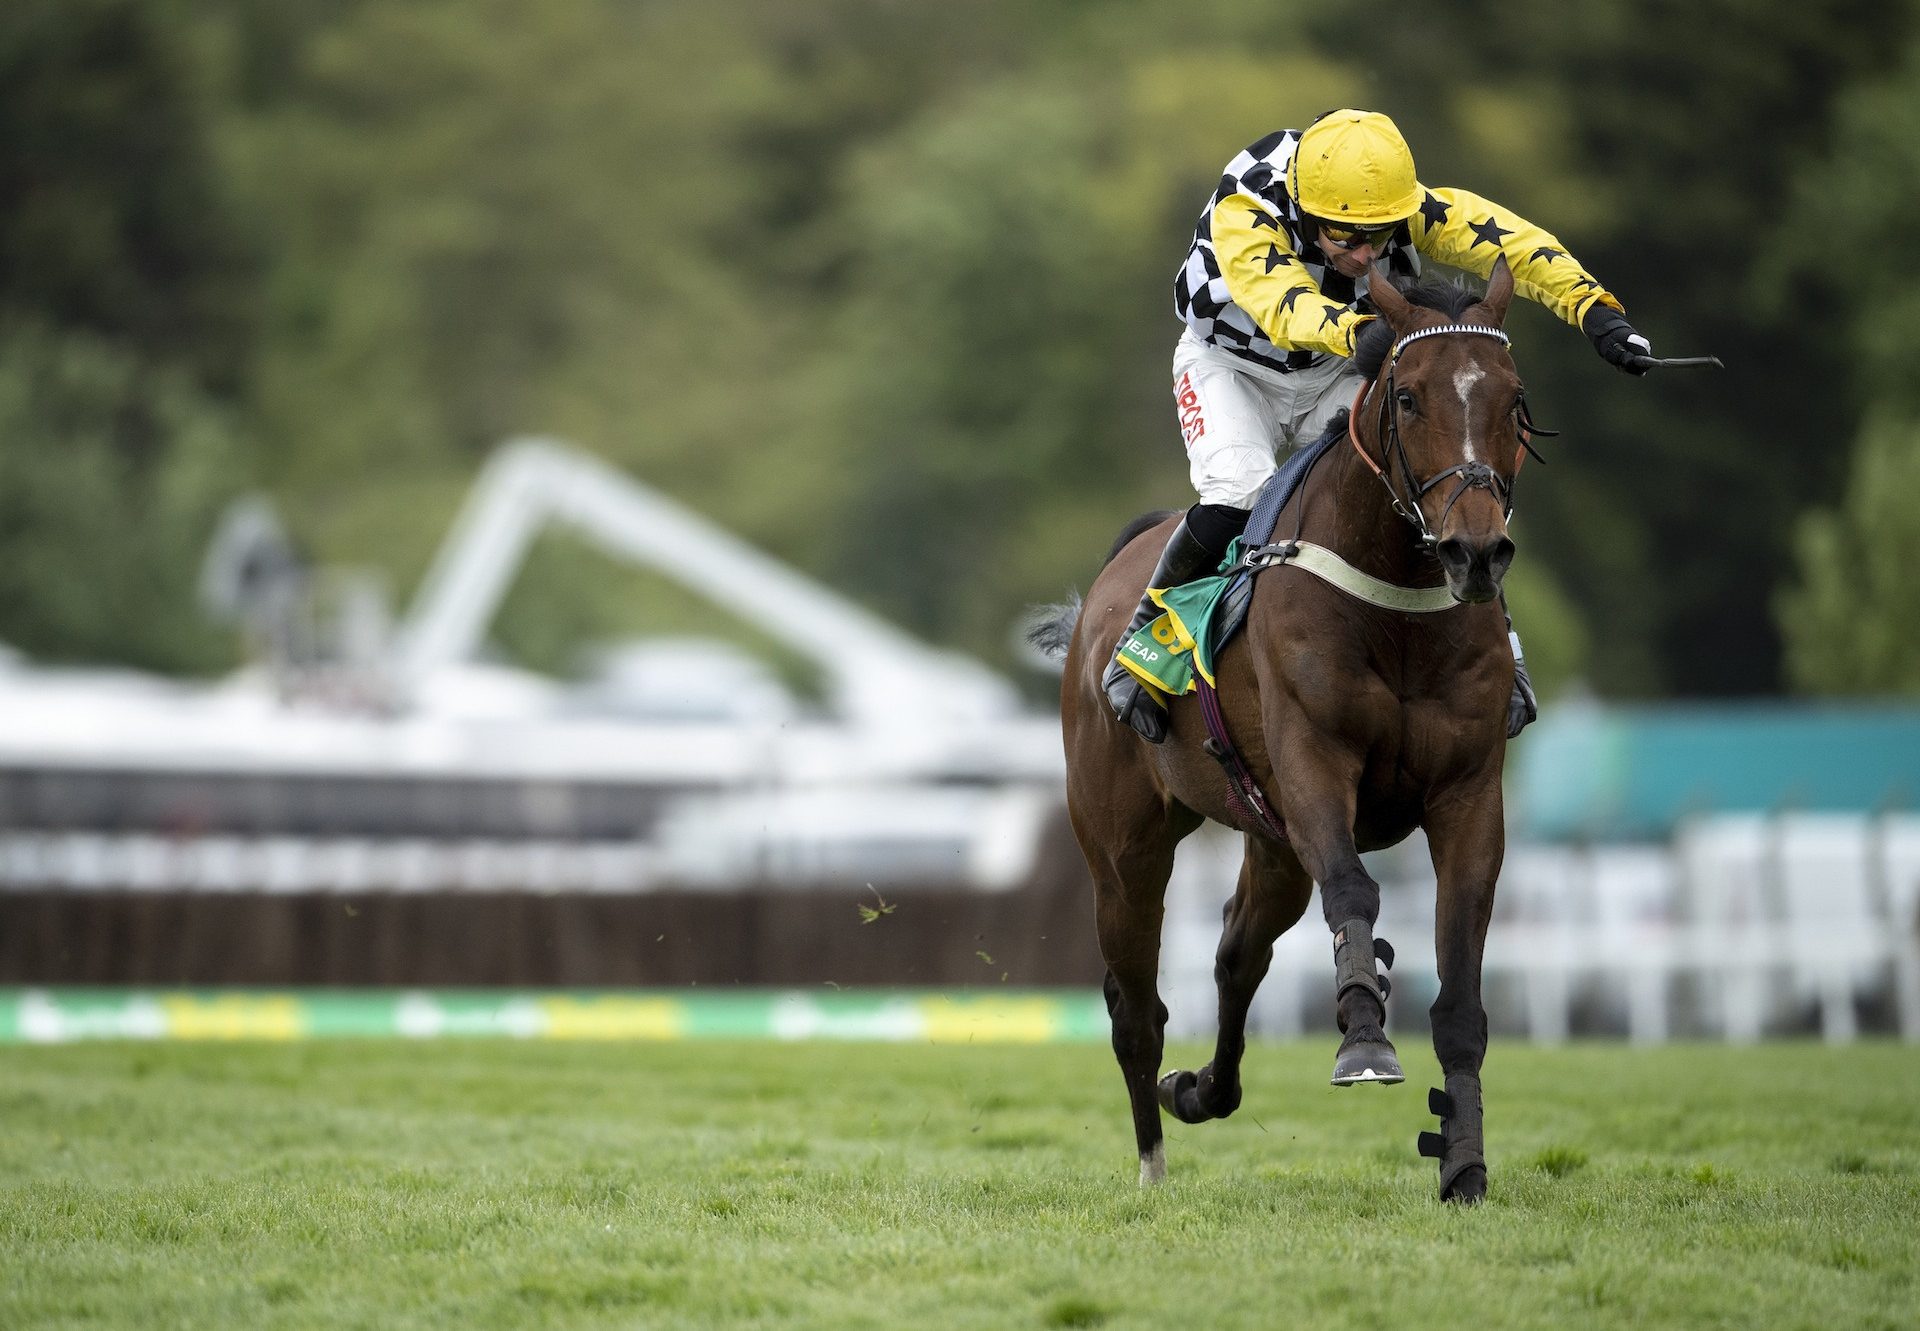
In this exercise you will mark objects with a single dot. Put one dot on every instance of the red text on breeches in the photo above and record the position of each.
(1192, 426)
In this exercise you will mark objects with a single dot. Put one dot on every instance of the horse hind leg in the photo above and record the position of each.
(1130, 892)
(1270, 897)
(1139, 1029)
(1130, 941)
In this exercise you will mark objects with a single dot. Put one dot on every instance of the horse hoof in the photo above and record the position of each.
(1196, 1097)
(1366, 1062)
(1172, 1087)
(1469, 1187)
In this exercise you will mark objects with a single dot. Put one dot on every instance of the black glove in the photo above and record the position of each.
(1614, 338)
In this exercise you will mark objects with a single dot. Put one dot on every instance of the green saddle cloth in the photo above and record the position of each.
(1166, 652)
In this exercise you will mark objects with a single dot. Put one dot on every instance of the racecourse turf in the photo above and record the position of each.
(390, 1184)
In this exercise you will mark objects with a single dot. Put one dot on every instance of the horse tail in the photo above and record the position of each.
(1050, 627)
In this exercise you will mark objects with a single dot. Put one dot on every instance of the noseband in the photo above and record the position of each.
(1472, 475)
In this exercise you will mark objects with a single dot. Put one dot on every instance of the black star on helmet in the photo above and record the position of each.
(1273, 258)
(1261, 217)
(1488, 232)
(1433, 210)
(1549, 253)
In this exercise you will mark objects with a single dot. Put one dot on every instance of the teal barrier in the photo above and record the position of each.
(1633, 772)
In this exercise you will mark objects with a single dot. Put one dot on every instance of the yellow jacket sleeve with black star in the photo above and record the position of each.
(1460, 228)
(1265, 278)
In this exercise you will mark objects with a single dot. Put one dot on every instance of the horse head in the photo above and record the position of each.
(1445, 413)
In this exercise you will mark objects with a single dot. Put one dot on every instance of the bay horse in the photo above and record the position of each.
(1359, 724)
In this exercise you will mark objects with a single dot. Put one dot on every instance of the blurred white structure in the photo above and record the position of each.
(876, 674)
(920, 757)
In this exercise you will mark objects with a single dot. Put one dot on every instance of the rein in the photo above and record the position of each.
(1473, 475)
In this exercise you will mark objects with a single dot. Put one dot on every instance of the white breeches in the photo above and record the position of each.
(1235, 416)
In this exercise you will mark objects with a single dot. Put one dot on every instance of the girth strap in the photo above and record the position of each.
(1329, 567)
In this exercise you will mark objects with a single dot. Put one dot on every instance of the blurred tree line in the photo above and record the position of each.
(886, 288)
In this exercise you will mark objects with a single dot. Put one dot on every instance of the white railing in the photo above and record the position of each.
(985, 838)
(1742, 926)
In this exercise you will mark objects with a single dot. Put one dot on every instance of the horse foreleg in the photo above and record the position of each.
(1319, 812)
(1271, 895)
(1466, 832)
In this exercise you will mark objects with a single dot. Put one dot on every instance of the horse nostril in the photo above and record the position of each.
(1454, 554)
(1499, 557)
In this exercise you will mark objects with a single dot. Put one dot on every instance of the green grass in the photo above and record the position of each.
(342, 1184)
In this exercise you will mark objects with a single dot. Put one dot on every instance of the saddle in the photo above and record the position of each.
(1176, 650)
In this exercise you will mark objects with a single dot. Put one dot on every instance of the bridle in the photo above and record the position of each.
(1474, 475)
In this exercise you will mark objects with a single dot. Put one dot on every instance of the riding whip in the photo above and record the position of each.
(1682, 362)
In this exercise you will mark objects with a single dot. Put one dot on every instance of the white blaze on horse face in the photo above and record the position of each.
(1464, 379)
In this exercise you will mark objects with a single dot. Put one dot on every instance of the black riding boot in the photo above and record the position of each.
(1188, 555)
(1523, 709)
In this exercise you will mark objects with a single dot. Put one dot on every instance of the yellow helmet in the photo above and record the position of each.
(1353, 167)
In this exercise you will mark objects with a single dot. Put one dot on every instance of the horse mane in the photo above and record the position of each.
(1450, 298)
(1049, 628)
(1133, 529)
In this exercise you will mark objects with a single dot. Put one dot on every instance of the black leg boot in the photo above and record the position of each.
(1185, 558)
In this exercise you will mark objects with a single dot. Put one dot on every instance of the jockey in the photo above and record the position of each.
(1273, 292)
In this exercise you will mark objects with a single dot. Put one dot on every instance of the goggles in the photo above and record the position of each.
(1353, 237)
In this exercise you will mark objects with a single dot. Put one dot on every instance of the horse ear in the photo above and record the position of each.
(1387, 299)
(1499, 291)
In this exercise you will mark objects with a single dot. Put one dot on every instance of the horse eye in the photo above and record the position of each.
(1404, 400)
